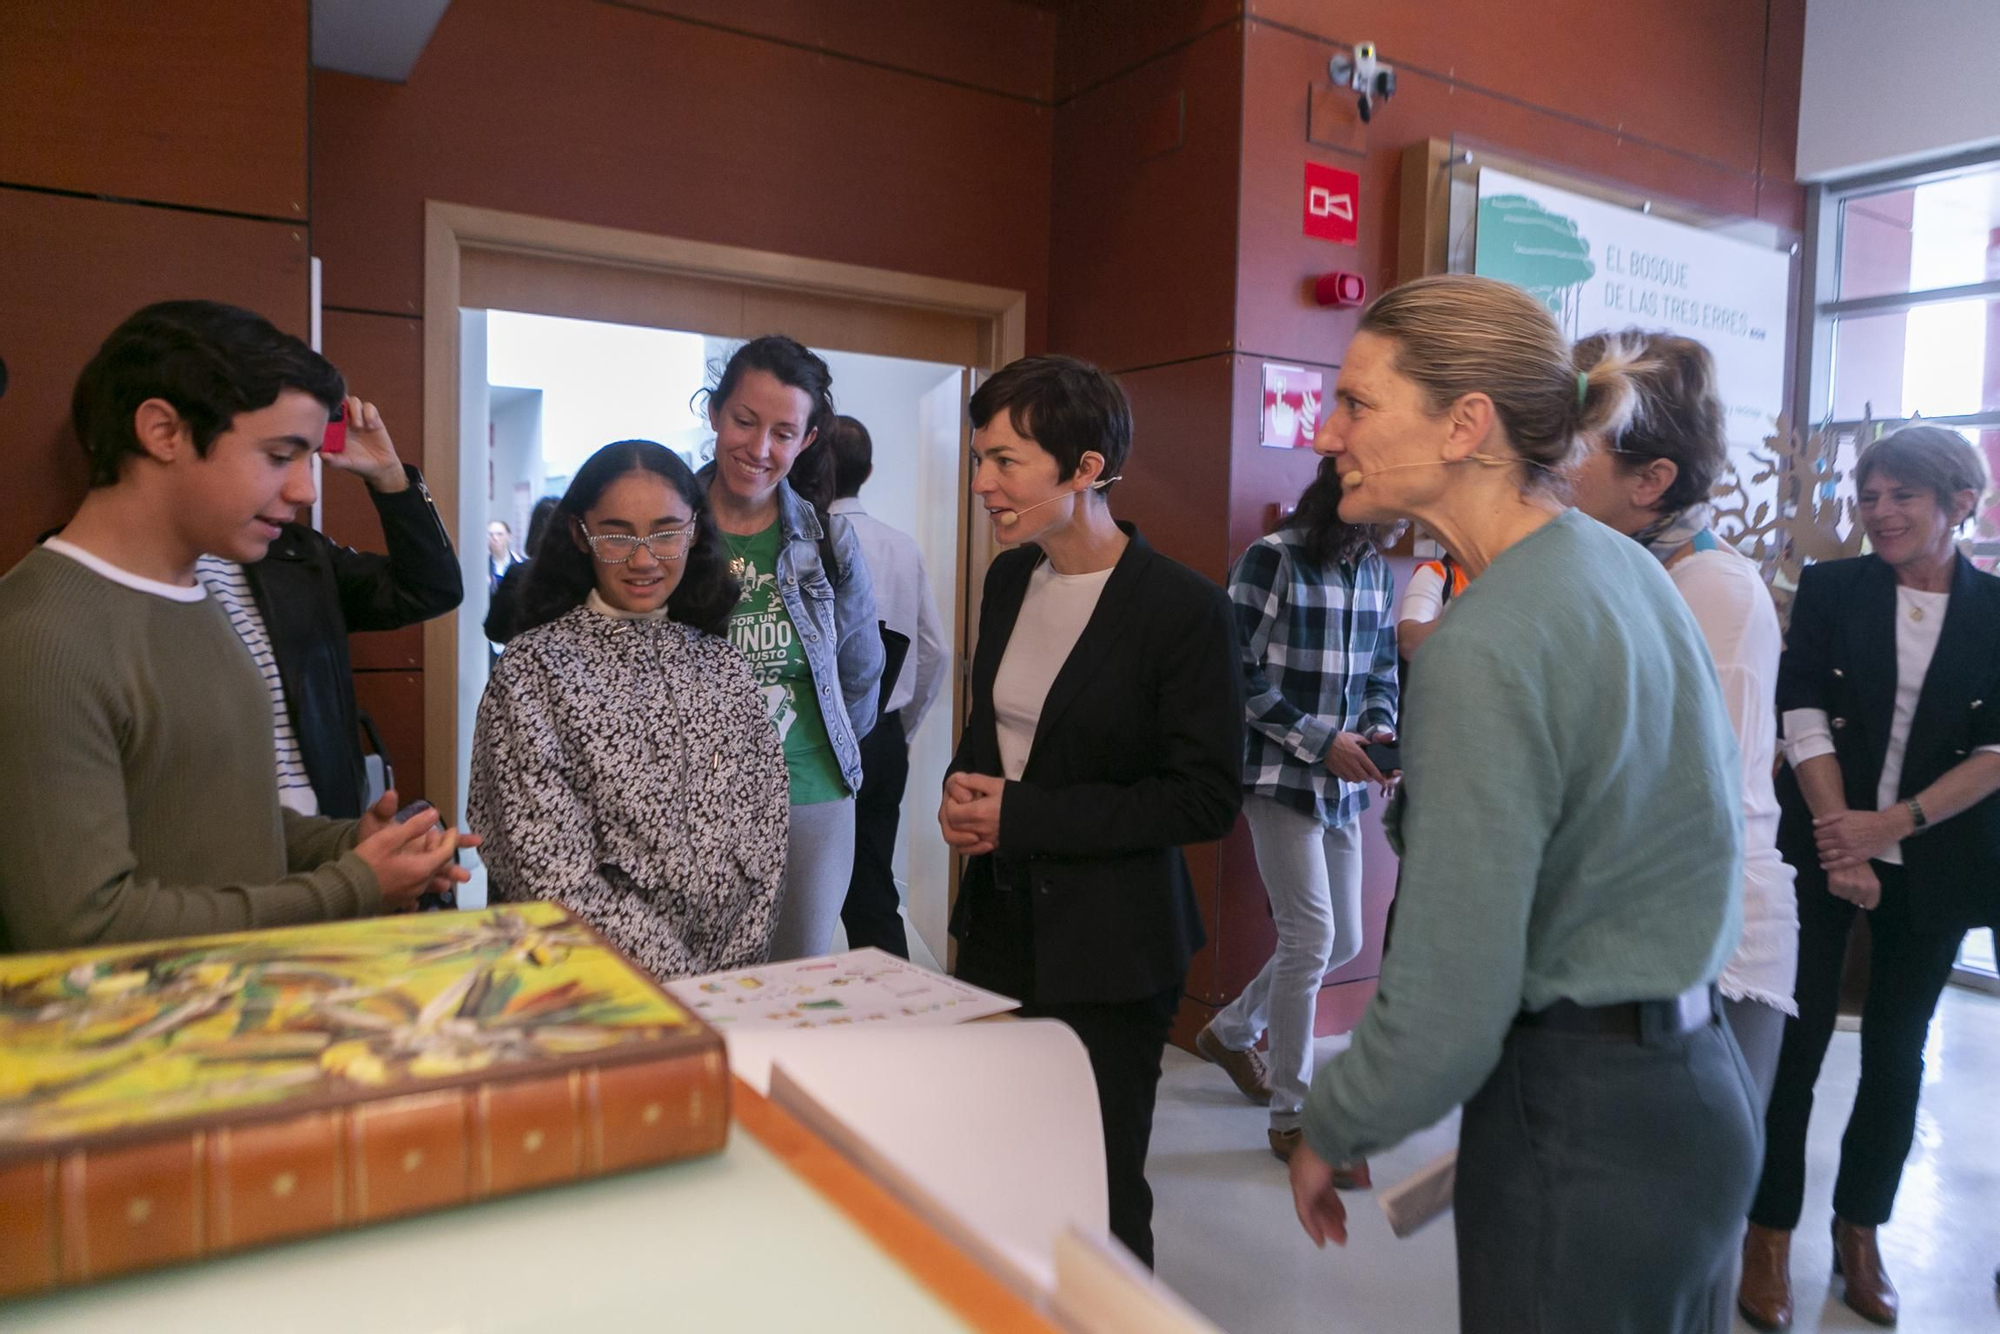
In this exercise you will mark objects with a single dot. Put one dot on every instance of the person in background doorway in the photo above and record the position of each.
(135, 729)
(500, 558)
(1889, 693)
(1651, 482)
(503, 609)
(1572, 848)
(806, 621)
(1105, 731)
(500, 554)
(903, 602)
(1319, 677)
(295, 608)
(623, 764)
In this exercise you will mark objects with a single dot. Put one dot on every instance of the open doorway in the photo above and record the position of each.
(477, 260)
(557, 389)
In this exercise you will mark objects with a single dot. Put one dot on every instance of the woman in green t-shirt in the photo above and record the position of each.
(806, 622)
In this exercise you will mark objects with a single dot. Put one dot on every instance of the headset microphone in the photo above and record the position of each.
(1008, 518)
(1358, 476)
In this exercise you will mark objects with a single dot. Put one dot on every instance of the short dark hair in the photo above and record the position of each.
(212, 362)
(1934, 458)
(560, 575)
(1329, 539)
(1677, 416)
(1065, 405)
(853, 456)
(538, 522)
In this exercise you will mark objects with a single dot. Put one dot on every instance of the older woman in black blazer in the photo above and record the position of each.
(1105, 732)
(1889, 692)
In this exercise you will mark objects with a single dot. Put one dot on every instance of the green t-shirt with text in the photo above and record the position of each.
(763, 632)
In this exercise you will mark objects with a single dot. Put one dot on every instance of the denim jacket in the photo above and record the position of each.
(836, 621)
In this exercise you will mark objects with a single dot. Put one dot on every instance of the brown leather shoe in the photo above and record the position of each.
(1352, 1175)
(1869, 1294)
(1765, 1295)
(1245, 1067)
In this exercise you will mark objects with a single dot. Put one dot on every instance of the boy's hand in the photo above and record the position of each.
(369, 452)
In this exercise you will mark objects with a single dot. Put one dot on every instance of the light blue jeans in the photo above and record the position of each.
(1313, 877)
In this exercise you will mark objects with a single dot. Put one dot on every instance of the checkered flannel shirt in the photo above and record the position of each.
(1318, 649)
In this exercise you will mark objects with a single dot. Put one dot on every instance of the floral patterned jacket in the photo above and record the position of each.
(628, 770)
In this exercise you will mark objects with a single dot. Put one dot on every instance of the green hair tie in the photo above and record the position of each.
(1582, 388)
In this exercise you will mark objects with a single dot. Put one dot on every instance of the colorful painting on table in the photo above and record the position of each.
(138, 1035)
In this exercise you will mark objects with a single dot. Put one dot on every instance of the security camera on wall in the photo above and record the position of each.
(1371, 80)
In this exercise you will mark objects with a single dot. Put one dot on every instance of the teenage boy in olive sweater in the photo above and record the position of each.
(135, 730)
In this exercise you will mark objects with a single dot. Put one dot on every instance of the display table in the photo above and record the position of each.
(778, 1232)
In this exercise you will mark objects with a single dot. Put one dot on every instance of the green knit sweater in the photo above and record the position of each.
(1571, 826)
(140, 777)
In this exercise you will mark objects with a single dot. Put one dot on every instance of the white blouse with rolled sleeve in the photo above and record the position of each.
(1734, 610)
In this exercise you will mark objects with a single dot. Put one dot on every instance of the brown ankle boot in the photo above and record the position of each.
(1245, 1068)
(1765, 1297)
(1869, 1294)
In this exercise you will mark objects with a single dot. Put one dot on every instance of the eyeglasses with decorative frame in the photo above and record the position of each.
(619, 548)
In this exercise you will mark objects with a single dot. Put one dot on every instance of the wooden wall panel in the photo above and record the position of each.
(1275, 312)
(70, 271)
(1001, 46)
(1144, 243)
(1102, 39)
(1780, 198)
(395, 700)
(601, 114)
(382, 358)
(1179, 467)
(193, 102)
(1686, 74)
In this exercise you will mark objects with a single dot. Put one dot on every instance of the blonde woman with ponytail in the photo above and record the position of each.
(1571, 843)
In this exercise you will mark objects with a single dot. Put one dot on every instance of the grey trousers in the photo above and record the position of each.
(1760, 1034)
(818, 864)
(1601, 1184)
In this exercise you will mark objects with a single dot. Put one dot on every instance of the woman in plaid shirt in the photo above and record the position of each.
(1314, 615)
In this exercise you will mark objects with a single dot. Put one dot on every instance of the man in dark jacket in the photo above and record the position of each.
(296, 607)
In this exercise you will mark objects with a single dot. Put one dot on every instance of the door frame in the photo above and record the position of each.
(452, 229)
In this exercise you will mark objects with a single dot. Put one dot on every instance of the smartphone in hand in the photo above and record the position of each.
(431, 900)
(1384, 755)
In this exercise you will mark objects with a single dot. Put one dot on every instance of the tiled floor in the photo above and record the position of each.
(1229, 1243)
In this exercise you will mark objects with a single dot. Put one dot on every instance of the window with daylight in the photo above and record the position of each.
(1907, 320)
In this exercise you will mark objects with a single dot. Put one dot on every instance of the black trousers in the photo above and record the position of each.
(1909, 966)
(869, 914)
(1125, 1040)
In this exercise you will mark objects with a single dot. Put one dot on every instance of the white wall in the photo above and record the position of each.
(911, 410)
(1889, 82)
(517, 458)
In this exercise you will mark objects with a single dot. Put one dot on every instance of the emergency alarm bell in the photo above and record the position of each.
(1371, 81)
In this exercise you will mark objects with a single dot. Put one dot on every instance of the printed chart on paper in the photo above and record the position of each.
(860, 987)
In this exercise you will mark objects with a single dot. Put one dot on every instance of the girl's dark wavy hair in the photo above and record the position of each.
(795, 366)
(1329, 539)
(562, 575)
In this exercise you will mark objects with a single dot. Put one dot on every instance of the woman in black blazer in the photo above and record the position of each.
(1105, 731)
(1889, 693)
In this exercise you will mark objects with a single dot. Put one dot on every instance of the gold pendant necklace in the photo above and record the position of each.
(738, 567)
